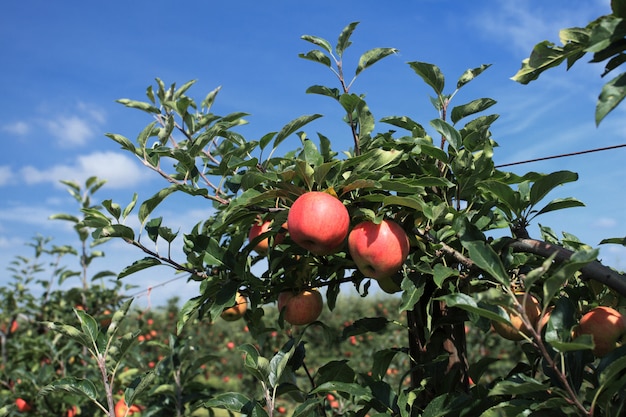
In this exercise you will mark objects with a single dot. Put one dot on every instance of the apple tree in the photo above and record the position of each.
(470, 262)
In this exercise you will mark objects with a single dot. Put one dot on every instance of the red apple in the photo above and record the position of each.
(378, 250)
(318, 222)
(261, 227)
(122, 409)
(606, 326)
(23, 406)
(300, 308)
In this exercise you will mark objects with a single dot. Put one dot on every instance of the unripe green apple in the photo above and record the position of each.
(378, 250)
(606, 326)
(318, 222)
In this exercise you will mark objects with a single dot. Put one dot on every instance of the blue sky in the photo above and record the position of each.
(65, 64)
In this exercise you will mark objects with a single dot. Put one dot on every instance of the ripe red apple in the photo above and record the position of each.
(300, 308)
(606, 326)
(516, 330)
(237, 311)
(378, 250)
(23, 406)
(261, 227)
(318, 222)
(121, 409)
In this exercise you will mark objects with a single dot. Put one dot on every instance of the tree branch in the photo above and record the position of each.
(594, 270)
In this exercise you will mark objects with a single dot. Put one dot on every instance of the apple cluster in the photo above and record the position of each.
(320, 223)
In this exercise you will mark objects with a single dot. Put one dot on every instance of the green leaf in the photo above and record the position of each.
(317, 56)
(73, 385)
(372, 56)
(470, 74)
(611, 95)
(139, 386)
(114, 230)
(544, 184)
(324, 91)
(89, 326)
(343, 42)
(469, 304)
(254, 363)
(318, 41)
(118, 317)
(129, 208)
(431, 74)
(279, 362)
(147, 107)
(475, 106)
(546, 55)
(71, 332)
(150, 204)
(139, 265)
(525, 386)
(294, 126)
(453, 137)
(441, 272)
(407, 123)
(63, 216)
(561, 203)
(488, 260)
(361, 393)
(231, 401)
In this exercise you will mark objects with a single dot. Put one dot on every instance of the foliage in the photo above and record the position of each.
(604, 38)
(471, 256)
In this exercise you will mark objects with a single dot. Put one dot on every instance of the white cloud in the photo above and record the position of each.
(18, 128)
(523, 24)
(118, 170)
(605, 222)
(71, 130)
(6, 175)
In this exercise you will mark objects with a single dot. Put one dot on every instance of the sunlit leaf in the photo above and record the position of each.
(318, 41)
(611, 95)
(544, 184)
(294, 126)
(343, 42)
(470, 74)
(475, 106)
(147, 107)
(316, 56)
(372, 56)
(452, 136)
(431, 74)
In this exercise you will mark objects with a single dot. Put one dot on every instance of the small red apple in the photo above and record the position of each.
(261, 227)
(606, 326)
(300, 308)
(378, 250)
(237, 311)
(318, 222)
(122, 409)
(23, 406)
